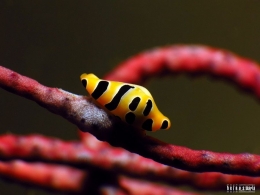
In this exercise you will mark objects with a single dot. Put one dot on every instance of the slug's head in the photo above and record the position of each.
(161, 122)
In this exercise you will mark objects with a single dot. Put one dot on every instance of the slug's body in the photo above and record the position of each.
(132, 103)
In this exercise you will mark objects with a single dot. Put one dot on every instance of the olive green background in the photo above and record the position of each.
(55, 41)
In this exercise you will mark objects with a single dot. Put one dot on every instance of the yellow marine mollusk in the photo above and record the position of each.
(133, 104)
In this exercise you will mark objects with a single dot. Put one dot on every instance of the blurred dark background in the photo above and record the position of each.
(55, 41)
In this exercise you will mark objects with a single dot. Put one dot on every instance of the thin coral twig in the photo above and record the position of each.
(110, 190)
(57, 177)
(77, 109)
(80, 111)
(136, 187)
(151, 170)
(111, 159)
(191, 59)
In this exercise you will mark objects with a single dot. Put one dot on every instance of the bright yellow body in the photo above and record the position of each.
(132, 103)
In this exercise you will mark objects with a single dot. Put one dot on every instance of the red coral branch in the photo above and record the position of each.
(137, 187)
(110, 159)
(58, 177)
(76, 109)
(110, 190)
(192, 59)
(70, 180)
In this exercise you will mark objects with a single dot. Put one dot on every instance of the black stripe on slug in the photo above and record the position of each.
(134, 103)
(147, 125)
(100, 89)
(84, 82)
(148, 108)
(164, 124)
(130, 117)
(115, 101)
